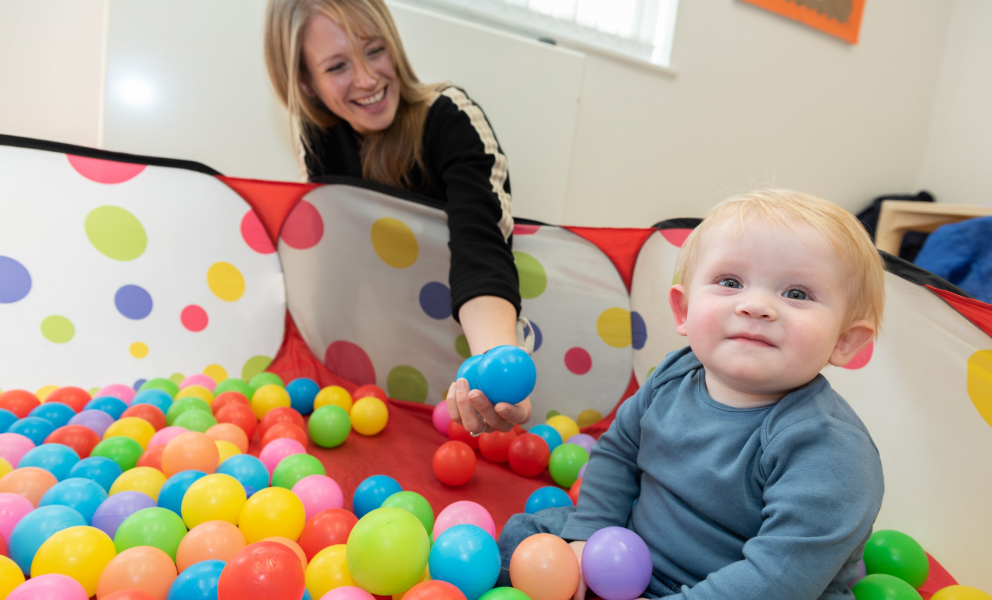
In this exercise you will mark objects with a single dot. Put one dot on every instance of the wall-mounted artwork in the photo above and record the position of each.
(839, 18)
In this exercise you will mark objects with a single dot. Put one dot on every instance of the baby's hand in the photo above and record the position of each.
(580, 592)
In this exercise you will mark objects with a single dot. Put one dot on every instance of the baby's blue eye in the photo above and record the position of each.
(731, 283)
(796, 294)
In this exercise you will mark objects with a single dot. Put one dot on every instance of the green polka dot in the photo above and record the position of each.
(406, 383)
(116, 233)
(254, 366)
(57, 329)
(461, 347)
(177, 378)
(675, 279)
(651, 370)
(551, 413)
(533, 279)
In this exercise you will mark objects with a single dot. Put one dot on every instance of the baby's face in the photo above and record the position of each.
(766, 306)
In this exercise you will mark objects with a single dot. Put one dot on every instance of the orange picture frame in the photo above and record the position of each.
(798, 10)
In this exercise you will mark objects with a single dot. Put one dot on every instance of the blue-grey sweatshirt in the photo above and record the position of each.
(764, 503)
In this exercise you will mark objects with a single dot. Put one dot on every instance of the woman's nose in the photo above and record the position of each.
(364, 78)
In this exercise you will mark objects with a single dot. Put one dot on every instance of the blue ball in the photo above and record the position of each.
(57, 459)
(100, 469)
(467, 557)
(306, 595)
(547, 433)
(469, 370)
(506, 374)
(36, 527)
(248, 470)
(7, 419)
(82, 495)
(302, 391)
(155, 397)
(371, 493)
(35, 429)
(546, 497)
(175, 488)
(108, 404)
(198, 582)
(56, 413)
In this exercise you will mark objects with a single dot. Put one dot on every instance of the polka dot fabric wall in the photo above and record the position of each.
(114, 272)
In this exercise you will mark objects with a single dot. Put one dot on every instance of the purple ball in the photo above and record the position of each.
(616, 564)
(582, 470)
(862, 572)
(97, 420)
(582, 439)
(109, 515)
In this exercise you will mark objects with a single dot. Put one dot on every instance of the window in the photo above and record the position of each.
(640, 29)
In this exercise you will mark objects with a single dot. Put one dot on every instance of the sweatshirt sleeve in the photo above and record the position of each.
(474, 173)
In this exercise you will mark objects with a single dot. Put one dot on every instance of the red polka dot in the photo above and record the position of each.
(861, 358)
(255, 235)
(347, 360)
(104, 171)
(676, 237)
(194, 318)
(303, 227)
(520, 229)
(578, 361)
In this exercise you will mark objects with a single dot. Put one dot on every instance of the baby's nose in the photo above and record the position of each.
(756, 309)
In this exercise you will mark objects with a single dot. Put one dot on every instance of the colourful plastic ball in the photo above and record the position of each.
(190, 451)
(263, 379)
(56, 413)
(35, 429)
(302, 392)
(495, 446)
(387, 551)
(100, 469)
(469, 370)
(117, 508)
(54, 458)
(565, 462)
(333, 395)
(504, 593)
(884, 587)
(529, 454)
(441, 417)
(329, 426)
(199, 379)
(464, 512)
(226, 450)
(30, 483)
(415, 504)
(165, 435)
(506, 374)
(7, 419)
(348, 592)
(268, 397)
(894, 553)
(158, 527)
(233, 385)
(196, 391)
(318, 493)
(154, 416)
(195, 420)
(544, 566)
(573, 492)
(116, 390)
(369, 415)
(229, 432)
(434, 590)
(280, 579)
(152, 457)
(198, 582)
(141, 570)
(281, 414)
(240, 415)
(327, 528)
(248, 470)
(97, 420)
(548, 434)
(137, 429)
(11, 577)
(13, 446)
(147, 480)
(82, 495)
(293, 468)
(369, 390)
(183, 405)
(215, 497)
(616, 564)
(372, 492)
(546, 497)
(73, 397)
(19, 402)
(454, 463)
(13, 508)
(284, 430)
(174, 490)
(458, 433)
(276, 450)
(466, 557)
(272, 512)
(81, 439)
(46, 587)
(160, 399)
(960, 592)
(108, 404)
(122, 450)
(565, 426)
(328, 570)
(80, 552)
(229, 397)
(212, 540)
(160, 383)
(36, 527)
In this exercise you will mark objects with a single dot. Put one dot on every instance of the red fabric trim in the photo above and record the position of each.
(597, 429)
(975, 311)
(938, 579)
(621, 246)
(272, 201)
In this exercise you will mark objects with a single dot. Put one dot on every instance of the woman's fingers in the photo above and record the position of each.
(449, 400)
(514, 414)
(485, 407)
(471, 420)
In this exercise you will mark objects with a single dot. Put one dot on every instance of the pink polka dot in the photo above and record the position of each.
(347, 360)
(104, 171)
(861, 358)
(520, 229)
(254, 234)
(676, 237)
(194, 318)
(578, 361)
(303, 227)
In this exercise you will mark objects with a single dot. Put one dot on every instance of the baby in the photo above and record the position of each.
(745, 473)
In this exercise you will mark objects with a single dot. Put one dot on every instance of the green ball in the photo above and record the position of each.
(233, 385)
(122, 450)
(387, 551)
(884, 587)
(329, 426)
(184, 404)
(294, 468)
(565, 462)
(414, 503)
(161, 383)
(264, 379)
(504, 593)
(892, 552)
(157, 527)
(195, 420)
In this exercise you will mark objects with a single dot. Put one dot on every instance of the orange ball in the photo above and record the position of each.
(434, 590)
(240, 415)
(229, 432)
(211, 540)
(152, 457)
(74, 397)
(229, 397)
(283, 414)
(30, 482)
(545, 568)
(573, 492)
(291, 545)
(143, 568)
(190, 450)
(148, 412)
(284, 430)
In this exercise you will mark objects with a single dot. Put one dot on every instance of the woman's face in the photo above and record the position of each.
(366, 96)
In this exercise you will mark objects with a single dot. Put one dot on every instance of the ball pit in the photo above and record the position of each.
(464, 512)
(46, 587)
(57, 459)
(328, 570)
(212, 540)
(284, 430)
(120, 391)
(228, 432)
(348, 592)
(10, 576)
(165, 435)
(135, 428)
(264, 378)
(458, 433)
(190, 451)
(268, 397)
(894, 553)
(415, 504)
(229, 397)
(547, 497)
(147, 480)
(19, 402)
(183, 405)
(199, 379)
(56, 413)
(225, 450)
(35, 429)
(122, 450)
(157, 527)
(504, 593)
(495, 446)
(199, 581)
(369, 391)
(233, 384)
(240, 415)
(273, 453)
(434, 590)
(160, 383)
(528, 454)
(7, 419)
(73, 397)
(151, 458)
(441, 417)
(565, 462)
(506, 374)
(13, 446)
(195, 391)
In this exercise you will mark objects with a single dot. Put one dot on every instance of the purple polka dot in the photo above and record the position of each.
(15, 281)
(638, 330)
(538, 338)
(137, 384)
(133, 302)
(435, 299)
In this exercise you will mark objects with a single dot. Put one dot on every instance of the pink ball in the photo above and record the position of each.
(49, 587)
(13, 446)
(461, 513)
(119, 391)
(347, 592)
(441, 417)
(200, 379)
(165, 435)
(278, 449)
(13, 507)
(318, 492)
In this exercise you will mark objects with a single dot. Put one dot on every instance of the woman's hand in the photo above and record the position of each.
(473, 411)
(580, 592)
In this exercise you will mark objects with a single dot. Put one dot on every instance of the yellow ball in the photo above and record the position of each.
(333, 394)
(328, 570)
(10, 576)
(4, 469)
(961, 592)
(273, 511)
(147, 480)
(196, 391)
(564, 426)
(588, 417)
(226, 449)
(216, 497)
(369, 416)
(137, 429)
(268, 397)
(79, 552)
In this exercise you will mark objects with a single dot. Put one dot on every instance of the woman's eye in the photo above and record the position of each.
(796, 294)
(335, 68)
(375, 51)
(731, 283)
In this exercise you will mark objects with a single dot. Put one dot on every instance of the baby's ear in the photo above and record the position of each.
(851, 341)
(676, 299)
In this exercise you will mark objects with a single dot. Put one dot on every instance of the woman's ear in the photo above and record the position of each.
(851, 341)
(305, 85)
(680, 310)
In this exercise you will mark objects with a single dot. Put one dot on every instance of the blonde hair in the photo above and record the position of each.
(388, 155)
(785, 207)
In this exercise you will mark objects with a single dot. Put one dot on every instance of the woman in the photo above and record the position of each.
(340, 68)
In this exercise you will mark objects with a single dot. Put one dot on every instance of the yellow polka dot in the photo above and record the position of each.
(394, 242)
(613, 326)
(588, 417)
(43, 393)
(216, 372)
(980, 383)
(139, 350)
(225, 281)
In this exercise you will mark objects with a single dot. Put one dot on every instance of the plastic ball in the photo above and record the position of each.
(464, 512)
(137, 429)
(13, 507)
(196, 391)
(233, 384)
(546, 497)
(73, 397)
(117, 508)
(146, 480)
(434, 590)
(263, 379)
(30, 483)
(165, 435)
(97, 420)
(960, 592)
(230, 397)
(585, 441)
(268, 397)
(272, 512)
(142, 568)
(158, 527)
(82, 495)
(159, 383)
(56, 413)
(328, 570)
(154, 416)
(152, 457)
(895, 553)
(327, 528)
(348, 592)
(415, 504)
(544, 567)
(529, 454)
(195, 420)
(458, 433)
(504, 593)
(240, 415)
(108, 404)
(49, 587)
(228, 432)
(215, 497)
(19, 402)
(573, 492)
(441, 417)
(5, 467)
(317, 492)
(226, 450)
(197, 582)
(174, 490)
(248, 470)
(506, 374)
(284, 430)
(160, 399)
(369, 416)
(302, 392)
(36, 527)
(881, 586)
(369, 391)
(54, 458)
(116, 390)
(81, 439)
(275, 451)
(565, 426)
(211, 540)
(548, 434)
(616, 564)
(280, 579)
(495, 446)
(35, 429)
(467, 557)
(122, 450)
(469, 370)
(333, 395)
(372, 492)
(13, 446)
(80, 552)
(329, 426)
(183, 405)
(10, 576)
(565, 462)
(7, 419)
(387, 551)
(128, 595)
(199, 379)
(454, 463)
(282, 414)
(292, 546)
(190, 451)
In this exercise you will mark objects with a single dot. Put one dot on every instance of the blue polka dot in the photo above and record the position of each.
(435, 299)
(538, 338)
(15, 281)
(137, 384)
(638, 330)
(133, 302)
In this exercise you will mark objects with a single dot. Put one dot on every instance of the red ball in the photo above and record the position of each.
(152, 457)
(326, 528)
(434, 590)
(19, 402)
(229, 397)
(128, 595)
(283, 414)
(284, 430)
(364, 391)
(263, 570)
(529, 455)
(458, 433)
(454, 463)
(79, 438)
(239, 414)
(573, 492)
(3, 547)
(495, 446)
(76, 398)
(148, 412)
